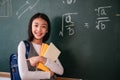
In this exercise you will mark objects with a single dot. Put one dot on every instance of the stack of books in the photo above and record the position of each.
(48, 51)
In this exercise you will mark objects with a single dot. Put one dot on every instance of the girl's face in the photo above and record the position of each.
(39, 28)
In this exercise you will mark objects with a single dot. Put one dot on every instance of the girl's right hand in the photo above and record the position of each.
(34, 60)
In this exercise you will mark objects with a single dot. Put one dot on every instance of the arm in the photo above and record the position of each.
(23, 68)
(55, 66)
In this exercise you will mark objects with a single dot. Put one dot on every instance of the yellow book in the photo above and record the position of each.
(48, 51)
(43, 50)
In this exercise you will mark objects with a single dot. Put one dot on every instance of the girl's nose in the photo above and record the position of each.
(39, 28)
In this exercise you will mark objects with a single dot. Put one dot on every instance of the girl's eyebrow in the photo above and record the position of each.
(44, 24)
(35, 22)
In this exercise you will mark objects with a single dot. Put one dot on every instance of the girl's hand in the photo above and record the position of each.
(35, 60)
(51, 73)
(43, 59)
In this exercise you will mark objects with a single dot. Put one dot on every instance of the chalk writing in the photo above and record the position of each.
(101, 10)
(29, 5)
(67, 23)
(100, 22)
(86, 25)
(69, 1)
(118, 14)
(5, 8)
(102, 17)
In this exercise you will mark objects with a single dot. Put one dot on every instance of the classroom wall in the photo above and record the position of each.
(86, 31)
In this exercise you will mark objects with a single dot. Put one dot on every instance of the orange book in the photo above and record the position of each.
(43, 50)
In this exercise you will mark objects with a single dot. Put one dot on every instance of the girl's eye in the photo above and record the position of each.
(44, 26)
(36, 25)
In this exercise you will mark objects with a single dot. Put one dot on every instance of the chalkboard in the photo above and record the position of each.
(86, 31)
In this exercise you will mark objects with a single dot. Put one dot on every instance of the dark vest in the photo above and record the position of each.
(32, 53)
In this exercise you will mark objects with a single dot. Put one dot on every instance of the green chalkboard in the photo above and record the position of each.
(86, 31)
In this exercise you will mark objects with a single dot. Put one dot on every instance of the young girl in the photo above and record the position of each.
(38, 33)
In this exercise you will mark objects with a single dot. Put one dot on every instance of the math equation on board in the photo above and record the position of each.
(68, 23)
(101, 20)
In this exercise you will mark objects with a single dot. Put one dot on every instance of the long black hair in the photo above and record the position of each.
(43, 16)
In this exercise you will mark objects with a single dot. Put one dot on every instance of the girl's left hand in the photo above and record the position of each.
(51, 73)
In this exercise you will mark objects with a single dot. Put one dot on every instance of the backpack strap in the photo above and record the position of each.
(14, 72)
(27, 45)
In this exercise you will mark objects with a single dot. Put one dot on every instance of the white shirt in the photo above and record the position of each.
(25, 74)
